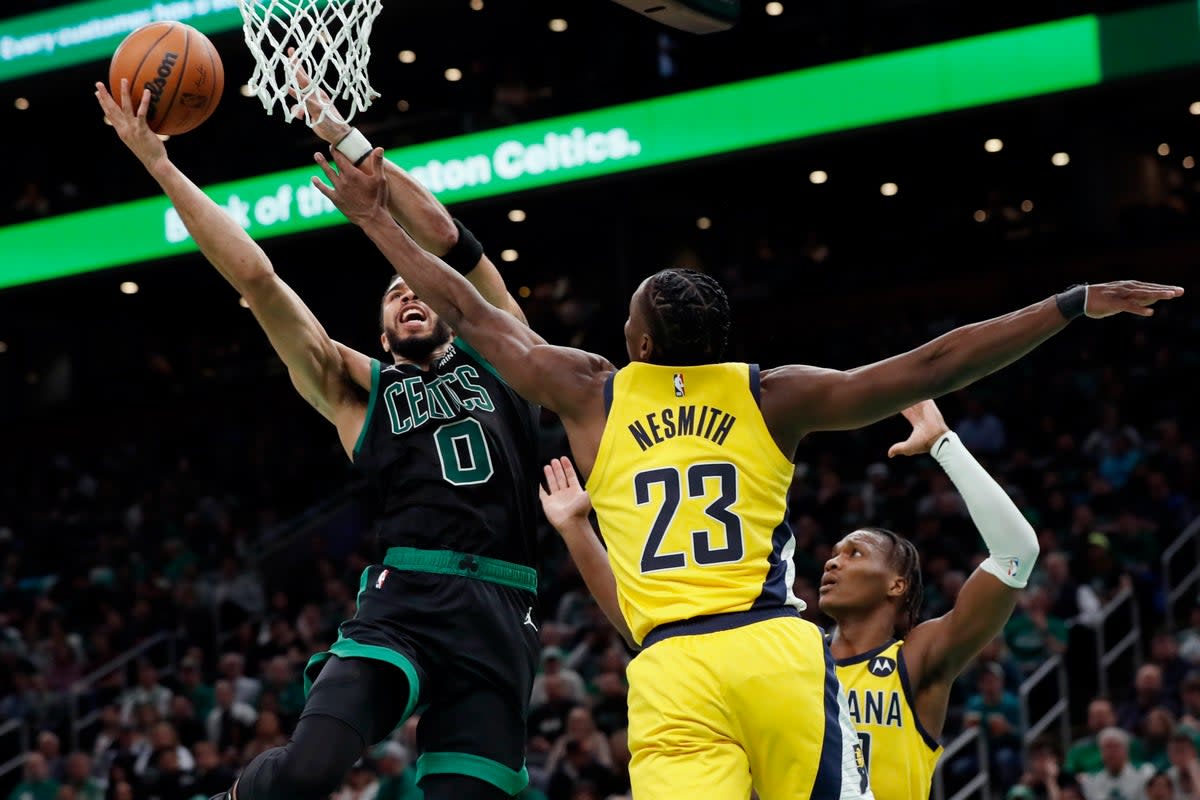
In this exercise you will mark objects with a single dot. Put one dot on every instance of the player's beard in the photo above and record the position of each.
(419, 348)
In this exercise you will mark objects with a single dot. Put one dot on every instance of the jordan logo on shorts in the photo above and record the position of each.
(529, 619)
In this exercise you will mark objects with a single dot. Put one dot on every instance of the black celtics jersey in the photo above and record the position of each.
(452, 456)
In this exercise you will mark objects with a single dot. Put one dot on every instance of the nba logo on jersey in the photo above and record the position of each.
(1013, 564)
(882, 666)
(679, 384)
(382, 577)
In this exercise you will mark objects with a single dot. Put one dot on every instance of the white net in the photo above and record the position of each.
(303, 48)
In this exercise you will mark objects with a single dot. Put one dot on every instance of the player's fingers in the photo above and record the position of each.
(542, 492)
(569, 469)
(324, 165)
(323, 188)
(106, 102)
(126, 102)
(549, 473)
(144, 106)
(560, 477)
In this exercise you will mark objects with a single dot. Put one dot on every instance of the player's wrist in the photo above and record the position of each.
(1072, 303)
(354, 146)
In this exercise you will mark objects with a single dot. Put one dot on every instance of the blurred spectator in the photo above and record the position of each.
(36, 784)
(580, 764)
(554, 663)
(267, 734)
(230, 722)
(1157, 729)
(997, 713)
(210, 777)
(163, 737)
(1164, 652)
(148, 692)
(548, 720)
(1147, 694)
(582, 730)
(1185, 766)
(360, 784)
(396, 780)
(50, 748)
(1119, 779)
(1099, 442)
(1084, 755)
(233, 669)
(1040, 779)
(1068, 598)
(1189, 638)
(981, 430)
(1033, 635)
(193, 687)
(79, 777)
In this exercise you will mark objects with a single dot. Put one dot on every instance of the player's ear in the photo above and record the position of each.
(383, 340)
(645, 347)
(898, 587)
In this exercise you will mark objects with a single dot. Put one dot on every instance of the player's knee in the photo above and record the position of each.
(310, 777)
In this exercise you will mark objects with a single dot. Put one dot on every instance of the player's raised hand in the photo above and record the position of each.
(130, 123)
(563, 499)
(360, 194)
(927, 426)
(1133, 297)
(316, 105)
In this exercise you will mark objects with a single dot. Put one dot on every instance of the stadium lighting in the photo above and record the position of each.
(980, 215)
(246, 91)
(477, 5)
(1027, 206)
(889, 189)
(508, 255)
(1194, 109)
(1188, 162)
(516, 215)
(407, 56)
(704, 223)
(3, 347)
(21, 103)
(993, 145)
(129, 287)
(402, 105)
(558, 24)
(242, 302)
(1164, 149)
(454, 74)
(818, 176)
(774, 9)
(1060, 159)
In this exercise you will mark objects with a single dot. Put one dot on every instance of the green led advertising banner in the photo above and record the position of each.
(967, 73)
(89, 31)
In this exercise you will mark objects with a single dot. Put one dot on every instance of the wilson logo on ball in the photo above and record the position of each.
(157, 85)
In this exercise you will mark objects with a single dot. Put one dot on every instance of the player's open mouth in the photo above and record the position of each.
(412, 318)
(827, 583)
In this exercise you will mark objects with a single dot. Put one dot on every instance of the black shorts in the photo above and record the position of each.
(468, 646)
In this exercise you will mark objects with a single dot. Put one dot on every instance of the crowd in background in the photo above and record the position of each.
(118, 543)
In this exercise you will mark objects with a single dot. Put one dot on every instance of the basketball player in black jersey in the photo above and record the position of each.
(445, 621)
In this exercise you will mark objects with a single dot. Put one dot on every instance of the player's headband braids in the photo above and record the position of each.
(689, 318)
(906, 561)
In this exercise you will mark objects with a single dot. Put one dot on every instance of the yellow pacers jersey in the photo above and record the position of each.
(900, 755)
(691, 494)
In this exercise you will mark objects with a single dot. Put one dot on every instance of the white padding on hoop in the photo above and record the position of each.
(329, 40)
(354, 146)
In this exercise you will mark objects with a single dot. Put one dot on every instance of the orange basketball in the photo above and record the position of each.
(180, 67)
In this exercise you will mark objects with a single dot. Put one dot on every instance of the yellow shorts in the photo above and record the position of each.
(712, 714)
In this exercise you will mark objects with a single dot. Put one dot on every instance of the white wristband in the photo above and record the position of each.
(354, 146)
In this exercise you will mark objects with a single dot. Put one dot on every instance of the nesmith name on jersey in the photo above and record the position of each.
(412, 402)
(875, 707)
(709, 423)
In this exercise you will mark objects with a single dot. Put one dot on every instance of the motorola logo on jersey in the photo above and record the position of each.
(882, 666)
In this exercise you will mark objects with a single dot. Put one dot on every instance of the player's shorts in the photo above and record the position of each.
(461, 629)
(722, 703)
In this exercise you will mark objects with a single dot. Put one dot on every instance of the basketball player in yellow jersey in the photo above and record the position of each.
(898, 680)
(689, 461)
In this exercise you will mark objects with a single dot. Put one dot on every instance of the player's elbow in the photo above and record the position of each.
(257, 281)
(443, 234)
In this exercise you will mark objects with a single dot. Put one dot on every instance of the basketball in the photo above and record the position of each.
(180, 67)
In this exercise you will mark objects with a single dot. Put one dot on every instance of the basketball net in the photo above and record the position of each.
(328, 42)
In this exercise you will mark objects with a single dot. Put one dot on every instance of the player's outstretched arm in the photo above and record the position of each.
(799, 399)
(565, 380)
(937, 651)
(567, 505)
(411, 204)
(318, 367)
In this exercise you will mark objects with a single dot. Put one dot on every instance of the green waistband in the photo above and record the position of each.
(448, 562)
